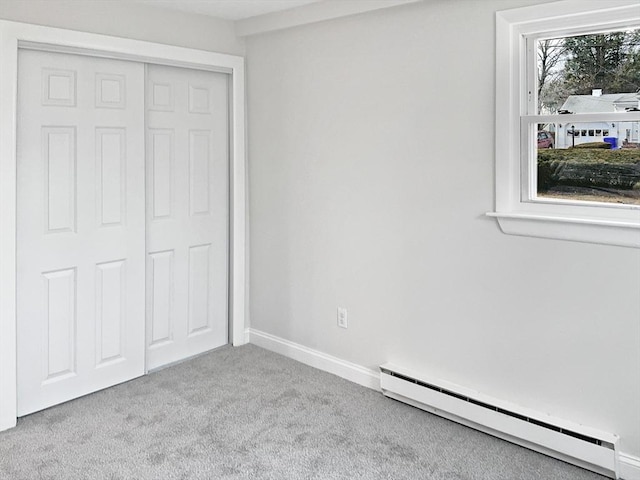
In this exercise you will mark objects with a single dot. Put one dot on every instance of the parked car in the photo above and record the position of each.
(545, 139)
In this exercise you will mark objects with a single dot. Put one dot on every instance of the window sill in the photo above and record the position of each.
(588, 230)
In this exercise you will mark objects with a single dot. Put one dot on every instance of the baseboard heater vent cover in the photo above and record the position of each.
(573, 443)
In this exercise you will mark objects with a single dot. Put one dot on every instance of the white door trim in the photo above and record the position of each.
(14, 35)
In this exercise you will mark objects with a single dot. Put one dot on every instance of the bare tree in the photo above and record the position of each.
(551, 54)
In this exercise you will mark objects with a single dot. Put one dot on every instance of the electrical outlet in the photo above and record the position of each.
(342, 317)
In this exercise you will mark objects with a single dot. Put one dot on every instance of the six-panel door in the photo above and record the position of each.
(188, 212)
(81, 237)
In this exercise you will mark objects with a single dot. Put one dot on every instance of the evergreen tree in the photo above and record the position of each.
(609, 61)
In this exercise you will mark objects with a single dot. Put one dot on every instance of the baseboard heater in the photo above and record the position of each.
(573, 443)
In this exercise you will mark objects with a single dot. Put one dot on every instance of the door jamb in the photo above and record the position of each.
(15, 35)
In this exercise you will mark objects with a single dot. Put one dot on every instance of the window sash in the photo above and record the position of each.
(529, 160)
(529, 104)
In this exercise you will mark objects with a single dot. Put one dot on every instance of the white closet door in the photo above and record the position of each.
(188, 209)
(81, 220)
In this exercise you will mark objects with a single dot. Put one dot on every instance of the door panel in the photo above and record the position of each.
(81, 226)
(187, 197)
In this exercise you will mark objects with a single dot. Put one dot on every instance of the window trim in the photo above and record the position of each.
(575, 221)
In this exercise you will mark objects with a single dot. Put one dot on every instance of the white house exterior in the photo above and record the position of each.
(598, 131)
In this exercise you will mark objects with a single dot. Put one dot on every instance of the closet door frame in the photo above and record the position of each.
(14, 36)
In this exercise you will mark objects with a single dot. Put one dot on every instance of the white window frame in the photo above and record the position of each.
(516, 212)
(13, 36)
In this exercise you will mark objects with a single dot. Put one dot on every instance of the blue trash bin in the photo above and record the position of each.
(613, 141)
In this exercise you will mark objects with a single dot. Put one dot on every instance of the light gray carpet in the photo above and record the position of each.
(246, 413)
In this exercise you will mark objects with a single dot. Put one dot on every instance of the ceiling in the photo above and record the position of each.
(227, 9)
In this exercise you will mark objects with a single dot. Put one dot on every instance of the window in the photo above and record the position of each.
(567, 107)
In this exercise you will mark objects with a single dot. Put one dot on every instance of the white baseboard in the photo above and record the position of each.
(629, 467)
(347, 370)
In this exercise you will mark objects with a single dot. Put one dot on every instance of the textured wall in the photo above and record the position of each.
(371, 167)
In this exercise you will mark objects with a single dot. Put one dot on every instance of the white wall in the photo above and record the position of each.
(122, 19)
(361, 198)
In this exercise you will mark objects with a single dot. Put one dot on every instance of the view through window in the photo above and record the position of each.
(588, 138)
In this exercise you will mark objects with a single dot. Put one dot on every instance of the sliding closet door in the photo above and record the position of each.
(81, 221)
(188, 212)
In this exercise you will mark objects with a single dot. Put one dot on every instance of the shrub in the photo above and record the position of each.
(599, 145)
(589, 155)
(588, 168)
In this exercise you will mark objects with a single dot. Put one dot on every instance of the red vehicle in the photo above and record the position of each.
(545, 139)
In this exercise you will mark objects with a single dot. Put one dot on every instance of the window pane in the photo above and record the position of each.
(589, 73)
(596, 168)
